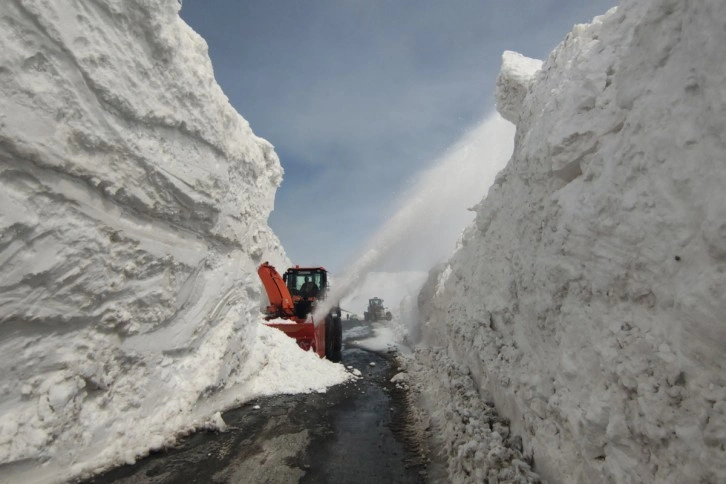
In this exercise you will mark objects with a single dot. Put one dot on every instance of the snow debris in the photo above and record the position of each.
(256, 407)
(401, 380)
(276, 365)
(217, 423)
(465, 430)
(372, 363)
(282, 321)
(386, 336)
(133, 215)
(587, 298)
(400, 377)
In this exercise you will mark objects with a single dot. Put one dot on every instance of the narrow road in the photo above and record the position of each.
(354, 433)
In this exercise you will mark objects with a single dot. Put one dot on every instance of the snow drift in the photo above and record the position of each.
(587, 299)
(133, 213)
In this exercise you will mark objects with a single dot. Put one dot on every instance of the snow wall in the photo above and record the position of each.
(588, 299)
(133, 213)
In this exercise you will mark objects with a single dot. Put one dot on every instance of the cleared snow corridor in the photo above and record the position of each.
(585, 305)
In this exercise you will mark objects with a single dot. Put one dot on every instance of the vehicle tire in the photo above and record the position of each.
(365, 316)
(389, 316)
(337, 340)
(328, 337)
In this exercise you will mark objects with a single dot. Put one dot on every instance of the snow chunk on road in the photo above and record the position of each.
(400, 377)
(216, 422)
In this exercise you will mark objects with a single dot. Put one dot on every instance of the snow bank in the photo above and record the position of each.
(587, 299)
(460, 425)
(133, 213)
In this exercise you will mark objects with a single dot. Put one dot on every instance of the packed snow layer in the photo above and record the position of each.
(587, 299)
(133, 214)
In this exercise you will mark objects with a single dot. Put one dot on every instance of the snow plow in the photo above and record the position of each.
(376, 311)
(294, 297)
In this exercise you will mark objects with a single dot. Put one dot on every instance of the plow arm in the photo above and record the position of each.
(281, 305)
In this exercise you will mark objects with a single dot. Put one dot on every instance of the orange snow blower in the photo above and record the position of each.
(293, 297)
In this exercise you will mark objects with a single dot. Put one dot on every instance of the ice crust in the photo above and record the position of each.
(587, 298)
(133, 214)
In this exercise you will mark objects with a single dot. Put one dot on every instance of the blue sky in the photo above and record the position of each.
(360, 96)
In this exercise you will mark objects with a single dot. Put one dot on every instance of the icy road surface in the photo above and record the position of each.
(354, 433)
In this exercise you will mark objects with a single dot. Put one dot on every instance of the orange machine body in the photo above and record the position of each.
(288, 302)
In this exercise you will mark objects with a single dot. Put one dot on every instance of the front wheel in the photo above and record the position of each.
(328, 336)
(333, 338)
(337, 343)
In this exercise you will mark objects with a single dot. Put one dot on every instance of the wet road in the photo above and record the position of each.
(354, 433)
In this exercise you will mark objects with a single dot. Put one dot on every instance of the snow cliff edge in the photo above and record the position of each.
(587, 299)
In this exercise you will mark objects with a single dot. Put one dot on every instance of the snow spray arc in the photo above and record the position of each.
(433, 212)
